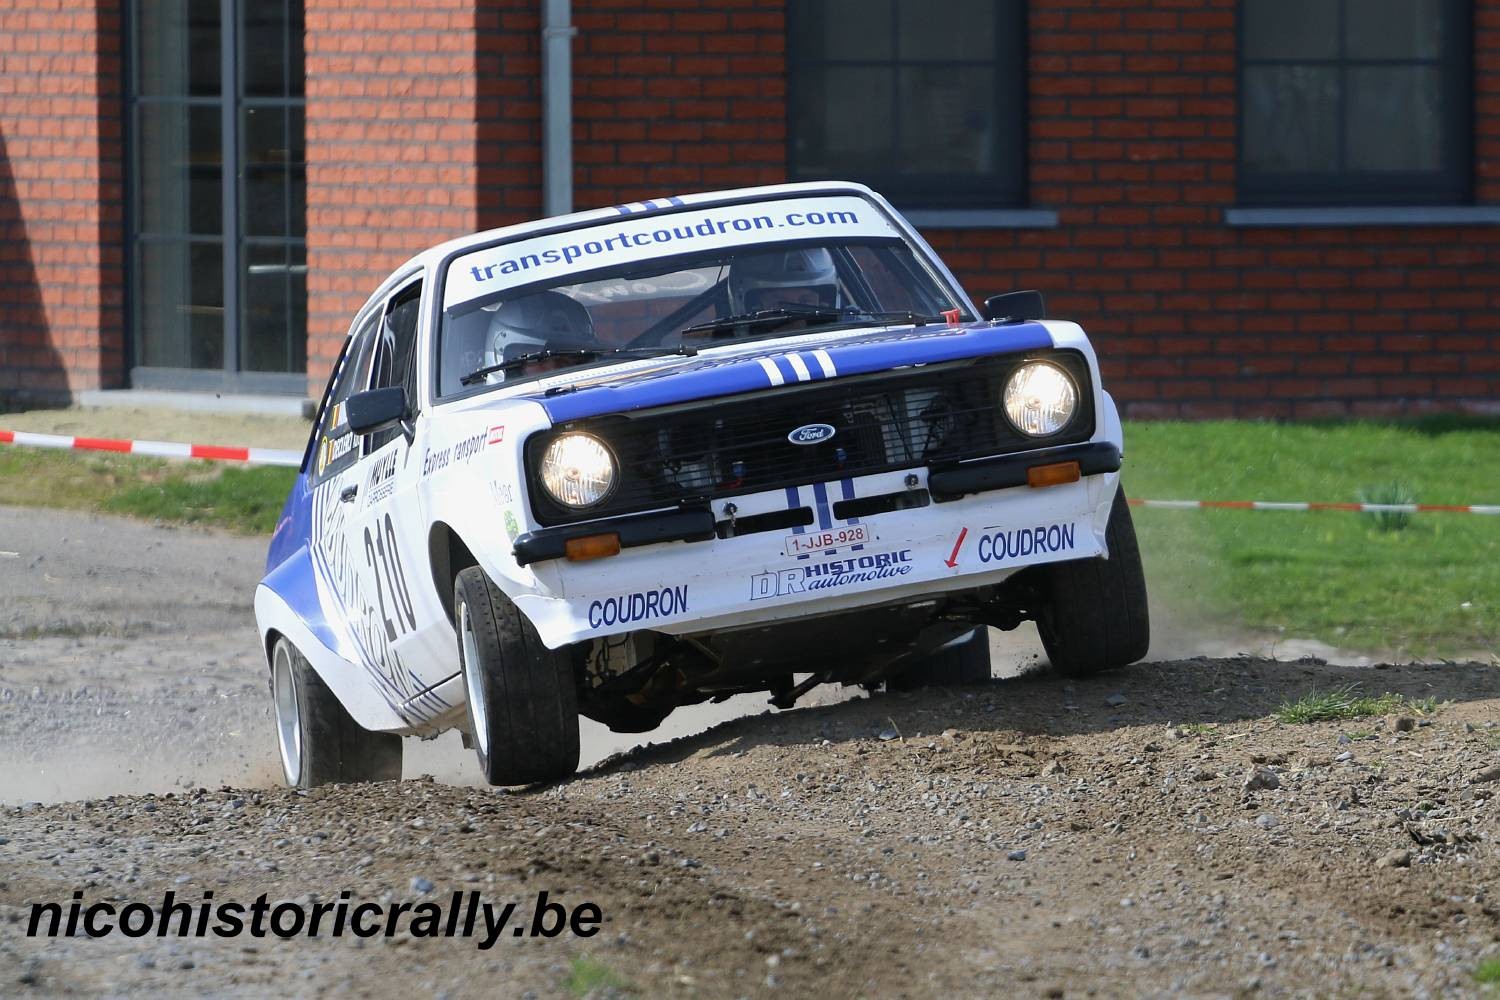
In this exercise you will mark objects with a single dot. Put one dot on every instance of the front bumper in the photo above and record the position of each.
(699, 525)
(717, 583)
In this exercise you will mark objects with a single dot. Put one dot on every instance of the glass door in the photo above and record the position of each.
(218, 256)
(273, 179)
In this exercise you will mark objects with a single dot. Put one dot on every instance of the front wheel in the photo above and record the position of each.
(523, 699)
(320, 742)
(1095, 614)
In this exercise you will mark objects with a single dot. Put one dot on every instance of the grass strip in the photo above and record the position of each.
(1343, 703)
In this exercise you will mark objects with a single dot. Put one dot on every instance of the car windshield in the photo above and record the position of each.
(675, 304)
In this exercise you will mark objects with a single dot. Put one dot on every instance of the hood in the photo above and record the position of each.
(762, 365)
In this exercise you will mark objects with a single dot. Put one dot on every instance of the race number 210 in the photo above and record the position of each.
(385, 561)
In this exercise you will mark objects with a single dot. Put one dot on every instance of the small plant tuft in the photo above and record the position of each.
(1488, 972)
(589, 976)
(1388, 493)
(1347, 703)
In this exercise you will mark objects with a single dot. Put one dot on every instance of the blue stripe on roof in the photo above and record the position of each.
(707, 377)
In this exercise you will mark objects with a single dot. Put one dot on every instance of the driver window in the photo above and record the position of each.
(335, 447)
(396, 354)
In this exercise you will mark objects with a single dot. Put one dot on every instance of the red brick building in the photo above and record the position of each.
(1257, 208)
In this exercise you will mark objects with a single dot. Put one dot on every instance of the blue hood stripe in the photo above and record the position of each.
(784, 365)
(706, 377)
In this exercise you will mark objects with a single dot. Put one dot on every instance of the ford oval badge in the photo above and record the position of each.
(812, 434)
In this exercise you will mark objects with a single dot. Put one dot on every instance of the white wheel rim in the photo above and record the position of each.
(479, 720)
(288, 715)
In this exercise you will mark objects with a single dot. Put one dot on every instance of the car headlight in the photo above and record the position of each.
(578, 470)
(1040, 399)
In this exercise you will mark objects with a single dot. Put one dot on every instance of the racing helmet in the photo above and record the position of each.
(545, 320)
(767, 280)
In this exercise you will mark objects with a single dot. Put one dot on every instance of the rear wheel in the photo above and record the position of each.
(523, 699)
(320, 742)
(1095, 617)
(964, 662)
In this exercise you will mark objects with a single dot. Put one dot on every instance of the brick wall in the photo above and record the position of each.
(1132, 139)
(424, 122)
(391, 137)
(677, 95)
(509, 112)
(61, 202)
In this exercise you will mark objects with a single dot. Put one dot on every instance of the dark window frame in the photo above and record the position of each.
(343, 382)
(382, 373)
(1452, 184)
(1004, 187)
(235, 244)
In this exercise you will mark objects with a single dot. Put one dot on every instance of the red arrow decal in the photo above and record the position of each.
(952, 561)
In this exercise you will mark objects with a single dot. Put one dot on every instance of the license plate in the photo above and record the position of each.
(831, 538)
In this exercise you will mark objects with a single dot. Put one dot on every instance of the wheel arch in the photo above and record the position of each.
(447, 556)
(268, 646)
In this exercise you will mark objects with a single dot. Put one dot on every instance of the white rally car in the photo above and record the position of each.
(630, 459)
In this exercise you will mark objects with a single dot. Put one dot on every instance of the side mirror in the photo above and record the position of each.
(375, 409)
(1015, 307)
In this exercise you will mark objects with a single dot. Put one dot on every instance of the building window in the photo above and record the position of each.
(1354, 101)
(218, 194)
(921, 99)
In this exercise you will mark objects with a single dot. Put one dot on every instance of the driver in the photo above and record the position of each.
(796, 277)
(541, 321)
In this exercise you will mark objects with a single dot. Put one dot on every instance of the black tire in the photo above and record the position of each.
(962, 664)
(320, 742)
(523, 699)
(1095, 618)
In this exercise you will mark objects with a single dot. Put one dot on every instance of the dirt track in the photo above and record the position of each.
(1032, 836)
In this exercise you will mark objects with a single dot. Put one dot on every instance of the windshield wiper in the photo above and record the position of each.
(577, 353)
(902, 316)
(765, 317)
(783, 316)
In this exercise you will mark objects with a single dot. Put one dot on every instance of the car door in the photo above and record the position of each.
(388, 531)
(332, 467)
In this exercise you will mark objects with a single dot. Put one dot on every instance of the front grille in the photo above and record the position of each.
(930, 416)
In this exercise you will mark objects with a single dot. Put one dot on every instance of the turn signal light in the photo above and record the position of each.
(1052, 475)
(594, 547)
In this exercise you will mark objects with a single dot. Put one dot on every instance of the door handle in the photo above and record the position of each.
(348, 494)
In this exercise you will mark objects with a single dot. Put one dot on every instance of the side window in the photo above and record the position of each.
(396, 353)
(335, 448)
(1350, 102)
(924, 100)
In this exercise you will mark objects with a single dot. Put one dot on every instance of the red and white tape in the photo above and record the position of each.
(293, 459)
(155, 449)
(1362, 508)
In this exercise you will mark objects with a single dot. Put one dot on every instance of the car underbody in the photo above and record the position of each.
(624, 680)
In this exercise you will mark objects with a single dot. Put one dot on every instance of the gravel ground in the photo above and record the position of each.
(1148, 832)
